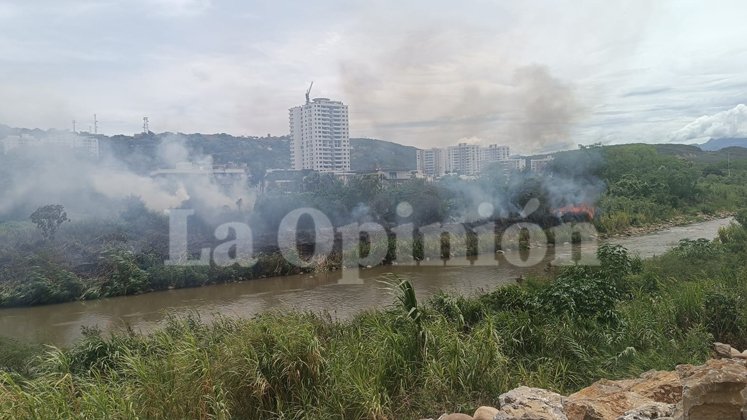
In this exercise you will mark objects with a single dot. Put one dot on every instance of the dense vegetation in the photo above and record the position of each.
(372, 154)
(452, 353)
(632, 185)
(649, 184)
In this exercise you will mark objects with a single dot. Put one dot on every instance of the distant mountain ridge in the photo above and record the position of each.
(713, 145)
(258, 153)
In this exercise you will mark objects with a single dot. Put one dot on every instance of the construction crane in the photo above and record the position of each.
(308, 91)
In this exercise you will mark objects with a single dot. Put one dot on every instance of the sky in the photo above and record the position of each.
(535, 75)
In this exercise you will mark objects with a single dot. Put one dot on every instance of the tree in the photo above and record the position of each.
(49, 218)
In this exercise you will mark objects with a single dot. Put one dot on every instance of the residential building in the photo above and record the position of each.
(399, 177)
(514, 165)
(320, 138)
(463, 159)
(539, 165)
(431, 162)
(224, 175)
(77, 142)
(494, 153)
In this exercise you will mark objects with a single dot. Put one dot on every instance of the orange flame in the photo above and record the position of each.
(577, 210)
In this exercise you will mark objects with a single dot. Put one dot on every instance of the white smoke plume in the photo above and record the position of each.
(87, 186)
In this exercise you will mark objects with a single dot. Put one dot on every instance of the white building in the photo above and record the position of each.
(431, 162)
(463, 159)
(190, 171)
(319, 136)
(494, 153)
(514, 165)
(88, 145)
(539, 165)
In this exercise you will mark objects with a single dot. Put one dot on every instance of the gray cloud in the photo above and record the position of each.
(236, 66)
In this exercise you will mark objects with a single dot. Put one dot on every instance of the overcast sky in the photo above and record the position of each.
(532, 74)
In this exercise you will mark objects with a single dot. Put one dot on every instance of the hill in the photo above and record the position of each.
(258, 153)
(372, 154)
(718, 144)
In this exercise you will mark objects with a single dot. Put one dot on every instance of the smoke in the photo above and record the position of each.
(572, 179)
(730, 123)
(439, 77)
(548, 108)
(35, 174)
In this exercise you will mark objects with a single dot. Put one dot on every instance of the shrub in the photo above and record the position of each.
(122, 276)
(723, 317)
(741, 218)
(578, 292)
(508, 298)
(698, 249)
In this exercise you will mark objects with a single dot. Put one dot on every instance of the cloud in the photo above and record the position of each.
(730, 123)
(617, 72)
(180, 8)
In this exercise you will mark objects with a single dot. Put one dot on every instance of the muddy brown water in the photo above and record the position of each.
(340, 294)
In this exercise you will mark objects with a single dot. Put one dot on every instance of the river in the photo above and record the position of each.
(342, 295)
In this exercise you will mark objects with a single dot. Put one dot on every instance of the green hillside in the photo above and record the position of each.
(371, 154)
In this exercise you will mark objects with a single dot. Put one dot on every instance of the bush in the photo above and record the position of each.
(699, 249)
(508, 298)
(580, 293)
(741, 218)
(723, 310)
(122, 276)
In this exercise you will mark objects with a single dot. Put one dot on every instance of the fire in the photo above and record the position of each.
(577, 210)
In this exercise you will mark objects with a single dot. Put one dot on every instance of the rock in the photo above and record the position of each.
(530, 404)
(455, 416)
(659, 386)
(607, 399)
(715, 390)
(722, 350)
(655, 410)
(485, 413)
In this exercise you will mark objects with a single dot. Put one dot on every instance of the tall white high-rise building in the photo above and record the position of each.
(320, 139)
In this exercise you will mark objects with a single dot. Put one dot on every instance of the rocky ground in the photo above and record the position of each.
(716, 390)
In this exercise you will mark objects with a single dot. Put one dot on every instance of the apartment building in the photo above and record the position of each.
(320, 138)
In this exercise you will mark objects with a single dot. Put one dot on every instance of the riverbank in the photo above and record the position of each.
(344, 293)
(120, 271)
(414, 358)
(679, 220)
